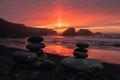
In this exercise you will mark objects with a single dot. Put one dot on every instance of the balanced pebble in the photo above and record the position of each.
(80, 54)
(35, 39)
(35, 46)
(82, 45)
(81, 50)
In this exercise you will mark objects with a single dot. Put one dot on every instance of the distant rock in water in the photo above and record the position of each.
(84, 32)
(69, 32)
(98, 33)
(8, 29)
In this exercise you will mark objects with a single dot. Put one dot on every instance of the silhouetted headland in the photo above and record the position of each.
(9, 29)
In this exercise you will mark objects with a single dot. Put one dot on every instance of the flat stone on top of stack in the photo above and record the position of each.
(35, 39)
(80, 61)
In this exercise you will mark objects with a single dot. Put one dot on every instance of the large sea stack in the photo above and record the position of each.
(84, 32)
(69, 32)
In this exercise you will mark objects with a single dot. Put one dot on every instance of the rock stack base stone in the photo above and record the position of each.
(83, 65)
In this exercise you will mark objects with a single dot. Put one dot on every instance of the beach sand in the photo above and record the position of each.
(9, 70)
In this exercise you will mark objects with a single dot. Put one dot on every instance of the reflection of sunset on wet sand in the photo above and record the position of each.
(102, 55)
(58, 50)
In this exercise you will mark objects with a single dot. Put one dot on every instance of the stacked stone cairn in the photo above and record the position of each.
(81, 51)
(35, 56)
(80, 62)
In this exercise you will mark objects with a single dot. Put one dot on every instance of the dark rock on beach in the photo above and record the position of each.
(81, 50)
(80, 54)
(82, 45)
(46, 64)
(24, 57)
(39, 53)
(42, 57)
(35, 39)
(83, 65)
(34, 46)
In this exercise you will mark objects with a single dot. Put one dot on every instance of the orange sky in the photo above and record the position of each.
(96, 15)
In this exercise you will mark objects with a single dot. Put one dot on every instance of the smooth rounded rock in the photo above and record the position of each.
(35, 46)
(80, 54)
(44, 64)
(42, 57)
(82, 45)
(83, 65)
(39, 53)
(24, 57)
(36, 64)
(81, 50)
(35, 39)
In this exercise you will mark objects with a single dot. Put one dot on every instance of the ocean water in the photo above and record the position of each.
(103, 48)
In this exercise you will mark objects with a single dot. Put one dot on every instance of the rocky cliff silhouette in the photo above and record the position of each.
(9, 29)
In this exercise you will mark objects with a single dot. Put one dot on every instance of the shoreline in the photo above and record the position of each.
(107, 56)
(110, 71)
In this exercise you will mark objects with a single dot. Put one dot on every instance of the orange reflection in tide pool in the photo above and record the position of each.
(101, 55)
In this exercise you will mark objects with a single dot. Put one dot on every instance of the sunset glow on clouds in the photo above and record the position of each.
(50, 13)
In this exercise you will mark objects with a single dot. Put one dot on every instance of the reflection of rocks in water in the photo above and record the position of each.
(35, 57)
(79, 62)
